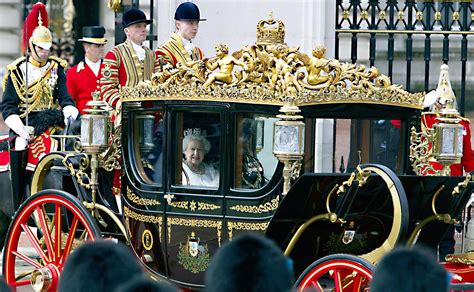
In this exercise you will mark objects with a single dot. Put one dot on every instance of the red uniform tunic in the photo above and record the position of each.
(81, 82)
(121, 67)
(173, 51)
(467, 161)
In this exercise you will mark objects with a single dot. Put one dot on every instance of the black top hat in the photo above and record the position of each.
(93, 35)
(133, 16)
(187, 11)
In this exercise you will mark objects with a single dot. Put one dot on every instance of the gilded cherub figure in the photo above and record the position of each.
(252, 69)
(193, 69)
(164, 75)
(316, 65)
(283, 68)
(225, 62)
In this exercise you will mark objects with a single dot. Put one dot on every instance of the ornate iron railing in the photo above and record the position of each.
(448, 19)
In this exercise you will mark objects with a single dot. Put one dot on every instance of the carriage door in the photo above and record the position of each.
(194, 196)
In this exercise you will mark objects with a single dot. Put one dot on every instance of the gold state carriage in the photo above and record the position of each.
(262, 109)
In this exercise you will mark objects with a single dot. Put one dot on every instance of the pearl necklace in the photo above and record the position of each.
(196, 169)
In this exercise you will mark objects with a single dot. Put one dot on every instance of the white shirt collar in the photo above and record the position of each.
(95, 66)
(139, 50)
(187, 44)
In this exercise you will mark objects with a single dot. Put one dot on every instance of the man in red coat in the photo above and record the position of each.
(129, 62)
(83, 79)
(438, 101)
(126, 64)
(179, 47)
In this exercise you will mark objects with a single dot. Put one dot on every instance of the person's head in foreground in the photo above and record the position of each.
(145, 284)
(409, 269)
(101, 265)
(249, 262)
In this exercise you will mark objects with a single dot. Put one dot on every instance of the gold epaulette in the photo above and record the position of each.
(10, 67)
(14, 64)
(61, 62)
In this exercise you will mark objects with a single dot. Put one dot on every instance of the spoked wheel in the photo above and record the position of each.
(36, 259)
(338, 272)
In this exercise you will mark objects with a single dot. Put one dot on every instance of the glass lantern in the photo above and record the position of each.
(288, 138)
(448, 146)
(288, 142)
(94, 127)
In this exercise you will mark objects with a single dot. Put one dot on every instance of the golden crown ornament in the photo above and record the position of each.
(268, 33)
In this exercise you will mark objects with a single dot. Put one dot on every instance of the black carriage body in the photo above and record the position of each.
(213, 215)
(165, 218)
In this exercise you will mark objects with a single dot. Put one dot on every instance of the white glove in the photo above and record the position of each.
(430, 98)
(15, 123)
(70, 111)
(20, 143)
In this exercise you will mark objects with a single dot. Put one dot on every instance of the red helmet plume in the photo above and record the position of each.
(37, 17)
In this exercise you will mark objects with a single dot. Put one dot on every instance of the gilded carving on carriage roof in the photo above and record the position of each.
(270, 71)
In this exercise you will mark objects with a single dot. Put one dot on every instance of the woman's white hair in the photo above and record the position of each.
(196, 137)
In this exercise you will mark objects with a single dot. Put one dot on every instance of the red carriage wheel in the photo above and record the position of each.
(36, 257)
(338, 272)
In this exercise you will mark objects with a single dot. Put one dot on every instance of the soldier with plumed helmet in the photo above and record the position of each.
(35, 103)
(35, 86)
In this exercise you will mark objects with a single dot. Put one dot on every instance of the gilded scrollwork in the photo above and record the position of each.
(249, 226)
(207, 206)
(115, 5)
(141, 201)
(463, 258)
(144, 218)
(180, 205)
(110, 157)
(271, 72)
(263, 208)
(193, 205)
(420, 152)
(204, 223)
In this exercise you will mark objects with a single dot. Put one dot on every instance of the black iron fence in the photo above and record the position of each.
(410, 34)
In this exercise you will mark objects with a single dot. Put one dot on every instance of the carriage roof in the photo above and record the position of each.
(273, 73)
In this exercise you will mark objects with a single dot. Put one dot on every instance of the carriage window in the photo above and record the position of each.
(367, 141)
(255, 162)
(198, 147)
(148, 145)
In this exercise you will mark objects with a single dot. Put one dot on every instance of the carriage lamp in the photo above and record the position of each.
(448, 143)
(445, 136)
(94, 138)
(288, 143)
(94, 126)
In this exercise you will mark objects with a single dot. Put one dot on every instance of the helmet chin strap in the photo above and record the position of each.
(35, 57)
